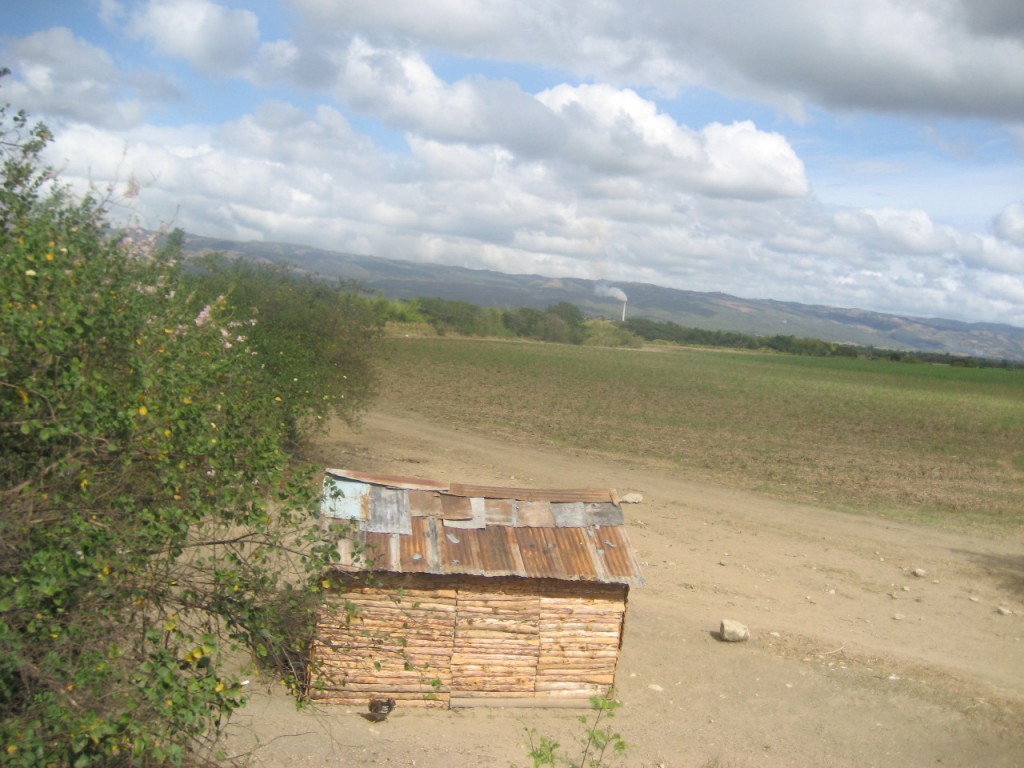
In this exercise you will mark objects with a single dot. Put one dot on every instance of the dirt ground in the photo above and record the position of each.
(853, 659)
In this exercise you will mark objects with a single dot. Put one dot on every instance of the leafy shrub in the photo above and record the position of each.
(151, 520)
(314, 341)
(600, 745)
(605, 333)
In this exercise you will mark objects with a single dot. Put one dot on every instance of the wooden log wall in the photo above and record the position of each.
(398, 644)
(425, 640)
(497, 638)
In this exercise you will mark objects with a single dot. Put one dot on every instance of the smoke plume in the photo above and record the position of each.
(603, 289)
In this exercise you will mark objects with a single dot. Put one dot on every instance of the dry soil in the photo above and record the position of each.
(853, 661)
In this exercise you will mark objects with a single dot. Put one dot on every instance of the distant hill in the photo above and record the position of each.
(713, 311)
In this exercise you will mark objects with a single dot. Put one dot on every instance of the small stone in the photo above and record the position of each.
(733, 631)
(655, 687)
(974, 599)
(898, 617)
(1002, 610)
(632, 498)
(920, 572)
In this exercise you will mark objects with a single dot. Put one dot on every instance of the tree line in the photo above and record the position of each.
(566, 323)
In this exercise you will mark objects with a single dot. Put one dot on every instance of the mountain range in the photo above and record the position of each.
(713, 311)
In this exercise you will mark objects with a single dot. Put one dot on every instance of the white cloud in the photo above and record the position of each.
(612, 131)
(212, 38)
(950, 57)
(896, 231)
(294, 175)
(58, 75)
(1009, 224)
(993, 255)
(401, 88)
(581, 166)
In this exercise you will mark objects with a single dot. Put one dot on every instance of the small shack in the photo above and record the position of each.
(449, 594)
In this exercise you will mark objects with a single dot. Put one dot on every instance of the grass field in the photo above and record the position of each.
(927, 442)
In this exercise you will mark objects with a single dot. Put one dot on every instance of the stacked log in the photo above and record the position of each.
(496, 640)
(424, 640)
(397, 645)
(580, 635)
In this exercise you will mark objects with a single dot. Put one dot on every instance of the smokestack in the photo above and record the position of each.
(603, 289)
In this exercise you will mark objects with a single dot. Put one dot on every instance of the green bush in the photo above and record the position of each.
(314, 341)
(151, 520)
(605, 333)
(599, 746)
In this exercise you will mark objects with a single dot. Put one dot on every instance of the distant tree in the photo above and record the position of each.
(556, 330)
(604, 333)
(573, 318)
(450, 316)
(524, 322)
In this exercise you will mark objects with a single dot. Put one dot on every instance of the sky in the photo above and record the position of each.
(852, 153)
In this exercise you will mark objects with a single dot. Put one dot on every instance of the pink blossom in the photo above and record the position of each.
(204, 315)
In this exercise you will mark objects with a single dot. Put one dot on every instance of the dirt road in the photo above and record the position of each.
(854, 660)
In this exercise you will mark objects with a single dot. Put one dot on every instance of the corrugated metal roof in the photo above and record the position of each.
(414, 525)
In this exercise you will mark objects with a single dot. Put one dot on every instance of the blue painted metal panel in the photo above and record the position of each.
(345, 499)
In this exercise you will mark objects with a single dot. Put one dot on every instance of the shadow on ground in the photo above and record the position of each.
(1006, 570)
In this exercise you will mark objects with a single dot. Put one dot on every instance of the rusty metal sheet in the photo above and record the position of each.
(419, 552)
(617, 555)
(536, 551)
(425, 504)
(605, 513)
(460, 551)
(390, 481)
(496, 538)
(456, 507)
(532, 494)
(500, 512)
(377, 552)
(499, 551)
(479, 516)
(578, 562)
(535, 514)
(569, 514)
(389, 511)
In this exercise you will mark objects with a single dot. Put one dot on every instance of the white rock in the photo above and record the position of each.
(920, 572)
(632, 498)
(733, 631)
(1002, 610)
(655, 687)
